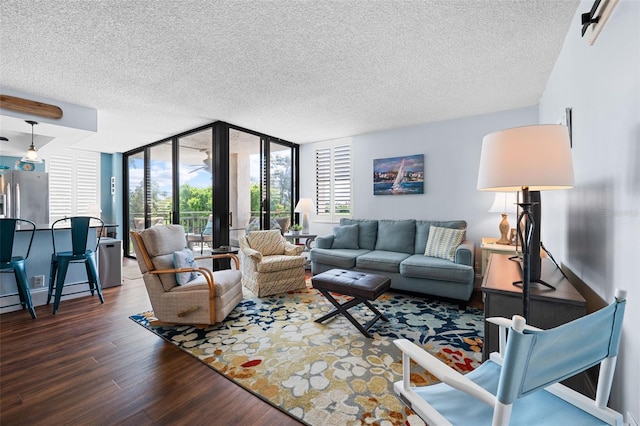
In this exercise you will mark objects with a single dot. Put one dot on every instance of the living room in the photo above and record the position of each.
(588, 229)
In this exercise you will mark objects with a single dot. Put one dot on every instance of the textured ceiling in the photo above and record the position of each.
(302, 71)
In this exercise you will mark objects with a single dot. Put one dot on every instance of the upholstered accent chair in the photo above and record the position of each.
(180, 291)
(271, 264)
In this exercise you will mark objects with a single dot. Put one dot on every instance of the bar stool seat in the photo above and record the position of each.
(17, 264)
(80, 253)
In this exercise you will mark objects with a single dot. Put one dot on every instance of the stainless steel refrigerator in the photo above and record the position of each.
(25, 195)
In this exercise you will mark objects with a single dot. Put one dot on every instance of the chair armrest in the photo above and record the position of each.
(208, 275)
(254, 254)
(465, 253)
(292, 249)
(442, 371)
(324, 242)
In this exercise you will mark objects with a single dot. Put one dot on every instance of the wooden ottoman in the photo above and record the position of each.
(361, 287)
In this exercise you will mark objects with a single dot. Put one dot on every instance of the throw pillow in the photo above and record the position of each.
(208, 230)
(345, 237)
(254, 225)
(184, 259)
(443, 242)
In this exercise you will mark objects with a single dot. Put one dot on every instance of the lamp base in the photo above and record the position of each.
(504, 228)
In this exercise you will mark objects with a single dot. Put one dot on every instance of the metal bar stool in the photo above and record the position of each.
(17, 264)
(80, 252)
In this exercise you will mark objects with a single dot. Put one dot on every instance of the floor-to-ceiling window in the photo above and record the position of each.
(218, 176)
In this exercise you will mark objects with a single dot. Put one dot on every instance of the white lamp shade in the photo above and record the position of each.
(535, 157)
(504, 202)
(305, 205)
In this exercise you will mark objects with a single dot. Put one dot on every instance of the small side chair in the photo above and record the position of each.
(80, 252)
(17, 264)
(520, 384)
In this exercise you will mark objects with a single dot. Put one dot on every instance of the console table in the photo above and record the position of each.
(548, 308)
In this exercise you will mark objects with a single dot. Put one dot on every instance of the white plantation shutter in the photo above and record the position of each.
(333, 182)
(87, 177)
(73, 183)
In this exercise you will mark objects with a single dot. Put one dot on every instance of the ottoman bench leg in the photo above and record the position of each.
(343, 309)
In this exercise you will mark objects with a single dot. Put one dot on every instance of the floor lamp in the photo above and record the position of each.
(528, 158)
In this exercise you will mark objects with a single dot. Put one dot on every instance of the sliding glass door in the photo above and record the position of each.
(195, 189)
(261, 177)
(216, 181)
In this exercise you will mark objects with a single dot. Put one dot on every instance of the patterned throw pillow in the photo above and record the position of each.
(443, 242)
(184, 259)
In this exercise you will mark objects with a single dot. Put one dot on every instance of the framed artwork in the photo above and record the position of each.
(399, 175)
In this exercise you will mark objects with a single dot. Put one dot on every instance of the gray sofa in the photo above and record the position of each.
(396, 248)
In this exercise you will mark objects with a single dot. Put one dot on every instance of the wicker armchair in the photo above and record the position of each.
(203, 298)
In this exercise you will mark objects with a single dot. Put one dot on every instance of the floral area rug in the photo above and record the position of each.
(329, 374)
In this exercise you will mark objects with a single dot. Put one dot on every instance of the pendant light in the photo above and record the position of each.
(32, 153)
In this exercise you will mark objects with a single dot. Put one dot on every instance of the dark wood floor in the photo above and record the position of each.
(90, 364)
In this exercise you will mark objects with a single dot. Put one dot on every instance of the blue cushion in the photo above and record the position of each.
(208, 230)
(184, 259)
(433, 268)
(396, 235)
(367, 231)
(384, 261)
(345, 237)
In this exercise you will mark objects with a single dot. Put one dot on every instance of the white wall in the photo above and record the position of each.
(593, 228)
(452, 154)
(598, 222)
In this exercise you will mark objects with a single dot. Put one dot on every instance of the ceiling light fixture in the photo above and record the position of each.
(32, 153)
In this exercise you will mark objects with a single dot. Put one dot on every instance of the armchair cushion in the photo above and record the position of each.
(345, 237)
(443, 242)
(267, 242)
(280, 262)
(184, 259)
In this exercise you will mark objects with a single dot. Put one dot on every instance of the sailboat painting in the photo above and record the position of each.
(398, 175)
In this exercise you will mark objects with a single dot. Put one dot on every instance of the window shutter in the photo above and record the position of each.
(73, 184)
(333, 182)
(60, 184)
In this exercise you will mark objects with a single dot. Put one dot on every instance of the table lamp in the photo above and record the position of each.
(528, 158)
(505, 204)
(304, 206)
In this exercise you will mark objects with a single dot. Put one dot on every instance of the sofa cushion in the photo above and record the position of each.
(345, 237)
(396, 235)
(340, 258)
(422, 231)
(367, 231)
(267, 242)
(379, 260)
(184, 259)
(443, 242)
(434, 268)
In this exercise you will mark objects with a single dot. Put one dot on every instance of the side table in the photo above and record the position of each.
(223, 263)
(295, 239)
(490, 246)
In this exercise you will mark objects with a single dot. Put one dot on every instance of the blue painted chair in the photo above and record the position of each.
(17, 264)
(80, 253)
(520, 384)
